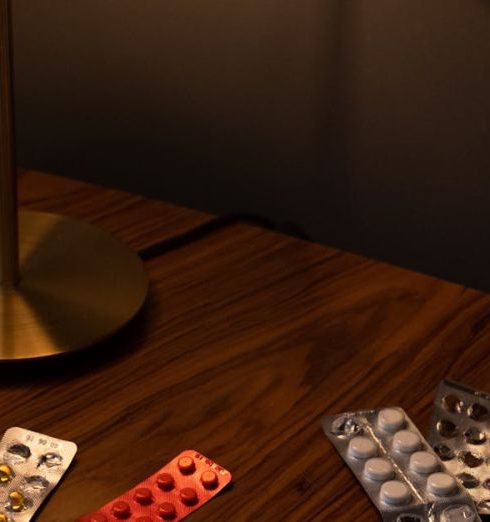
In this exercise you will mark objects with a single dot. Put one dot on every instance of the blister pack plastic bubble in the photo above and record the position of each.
(397, 468)
(31, 465)
(459, 433)
(172, 493)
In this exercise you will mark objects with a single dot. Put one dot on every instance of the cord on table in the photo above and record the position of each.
(211, 226)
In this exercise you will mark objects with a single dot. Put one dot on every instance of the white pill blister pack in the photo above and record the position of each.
(459, 433)
(398, 469)
(31, 465)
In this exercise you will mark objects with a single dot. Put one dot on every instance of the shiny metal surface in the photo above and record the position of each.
(8, 188)
(78, 286)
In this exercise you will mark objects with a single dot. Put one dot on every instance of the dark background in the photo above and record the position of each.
(366, 123)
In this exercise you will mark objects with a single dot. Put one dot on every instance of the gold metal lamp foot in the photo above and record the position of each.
(78, 285)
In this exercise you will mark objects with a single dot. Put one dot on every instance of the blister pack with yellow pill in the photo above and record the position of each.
(31, 465)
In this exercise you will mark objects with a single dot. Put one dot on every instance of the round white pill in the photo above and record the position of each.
(406, 441)
(362, 448)
(395, 492)
(378, 469)
(441, 484)
(423, 462)
(391, 419)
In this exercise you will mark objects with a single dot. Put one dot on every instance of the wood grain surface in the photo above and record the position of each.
(248, 338)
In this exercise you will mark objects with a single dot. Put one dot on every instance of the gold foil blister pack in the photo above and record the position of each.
(31, 465)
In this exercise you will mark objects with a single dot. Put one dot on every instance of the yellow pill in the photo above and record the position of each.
(6, 475)
(16, 501)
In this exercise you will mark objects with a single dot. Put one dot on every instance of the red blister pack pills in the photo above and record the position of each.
(172, 493)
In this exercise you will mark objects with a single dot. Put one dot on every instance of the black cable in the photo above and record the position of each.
(211, 226)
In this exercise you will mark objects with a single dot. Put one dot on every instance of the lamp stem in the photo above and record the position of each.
(9, 249)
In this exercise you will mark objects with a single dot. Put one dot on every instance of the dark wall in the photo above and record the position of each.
(365, 122)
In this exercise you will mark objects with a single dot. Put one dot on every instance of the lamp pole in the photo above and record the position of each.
(9, 254)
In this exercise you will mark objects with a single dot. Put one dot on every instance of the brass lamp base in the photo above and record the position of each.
(78, 286)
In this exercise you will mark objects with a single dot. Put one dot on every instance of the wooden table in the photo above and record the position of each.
(247, 339)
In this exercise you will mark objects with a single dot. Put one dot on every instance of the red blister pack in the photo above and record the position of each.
(172, 493)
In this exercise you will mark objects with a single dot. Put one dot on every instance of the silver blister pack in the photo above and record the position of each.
(31, 465)
(397, 468)
(459, 433)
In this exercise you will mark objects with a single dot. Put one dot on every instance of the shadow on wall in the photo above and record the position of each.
(264, 129)
(367, 124)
